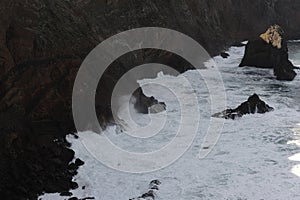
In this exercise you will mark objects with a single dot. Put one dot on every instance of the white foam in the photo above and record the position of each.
(255, 158)
(295, 41)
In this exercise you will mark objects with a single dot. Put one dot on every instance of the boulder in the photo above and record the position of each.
(224, 55)
(270, 51)
(253, 105)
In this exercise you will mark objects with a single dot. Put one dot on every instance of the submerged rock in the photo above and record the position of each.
(151, 193)
(253, 105)
(270, 51)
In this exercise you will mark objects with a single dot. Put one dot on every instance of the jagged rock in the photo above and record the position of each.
(151, 193)
(66, 193)
(79, 162)
(73, 198)
(270, 51)
(251, 106)
(38, 55)
(224, 55)
(273, 36)
(144, 104)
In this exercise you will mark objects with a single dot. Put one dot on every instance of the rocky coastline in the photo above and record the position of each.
(43, 43)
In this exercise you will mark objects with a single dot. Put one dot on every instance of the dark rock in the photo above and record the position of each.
(73, 167)
(285, 71)
(155, 182)
(73, 198)
(73, 185)
(251, 106)
(151, 193)
(79, 162)
(224, 55)
(67, 193)
(68, 155)
(146, 104)
(38, 56)
(154, 187)
(238, 44)
(295, 67)
(32, 164)
(270, 51)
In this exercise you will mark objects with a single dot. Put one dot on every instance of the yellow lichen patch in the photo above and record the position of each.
(273, 36)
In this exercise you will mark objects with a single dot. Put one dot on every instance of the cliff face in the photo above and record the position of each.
(43, 42)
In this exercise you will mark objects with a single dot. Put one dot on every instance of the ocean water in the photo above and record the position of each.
(255, 157)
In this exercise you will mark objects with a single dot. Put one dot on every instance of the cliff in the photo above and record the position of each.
(43, 42)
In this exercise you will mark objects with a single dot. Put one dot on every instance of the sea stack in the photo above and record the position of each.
(270, 50)
(253, 105)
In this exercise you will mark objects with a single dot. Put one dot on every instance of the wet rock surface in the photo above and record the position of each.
(224, 55)
(270, 51)
(146, 104)
(151, 194)
(33, 164)
(253, 105)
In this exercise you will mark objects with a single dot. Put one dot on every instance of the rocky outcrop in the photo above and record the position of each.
(151, 193)
(144, 104)
(273, 36)
(43, 43)
(251, 106)
(270, 51)
(224, 55)
(34, 163)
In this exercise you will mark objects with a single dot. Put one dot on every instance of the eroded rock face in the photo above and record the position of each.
(251, 106)
(43, 43)
(273, 36)
(144, 104)
(270, 51)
